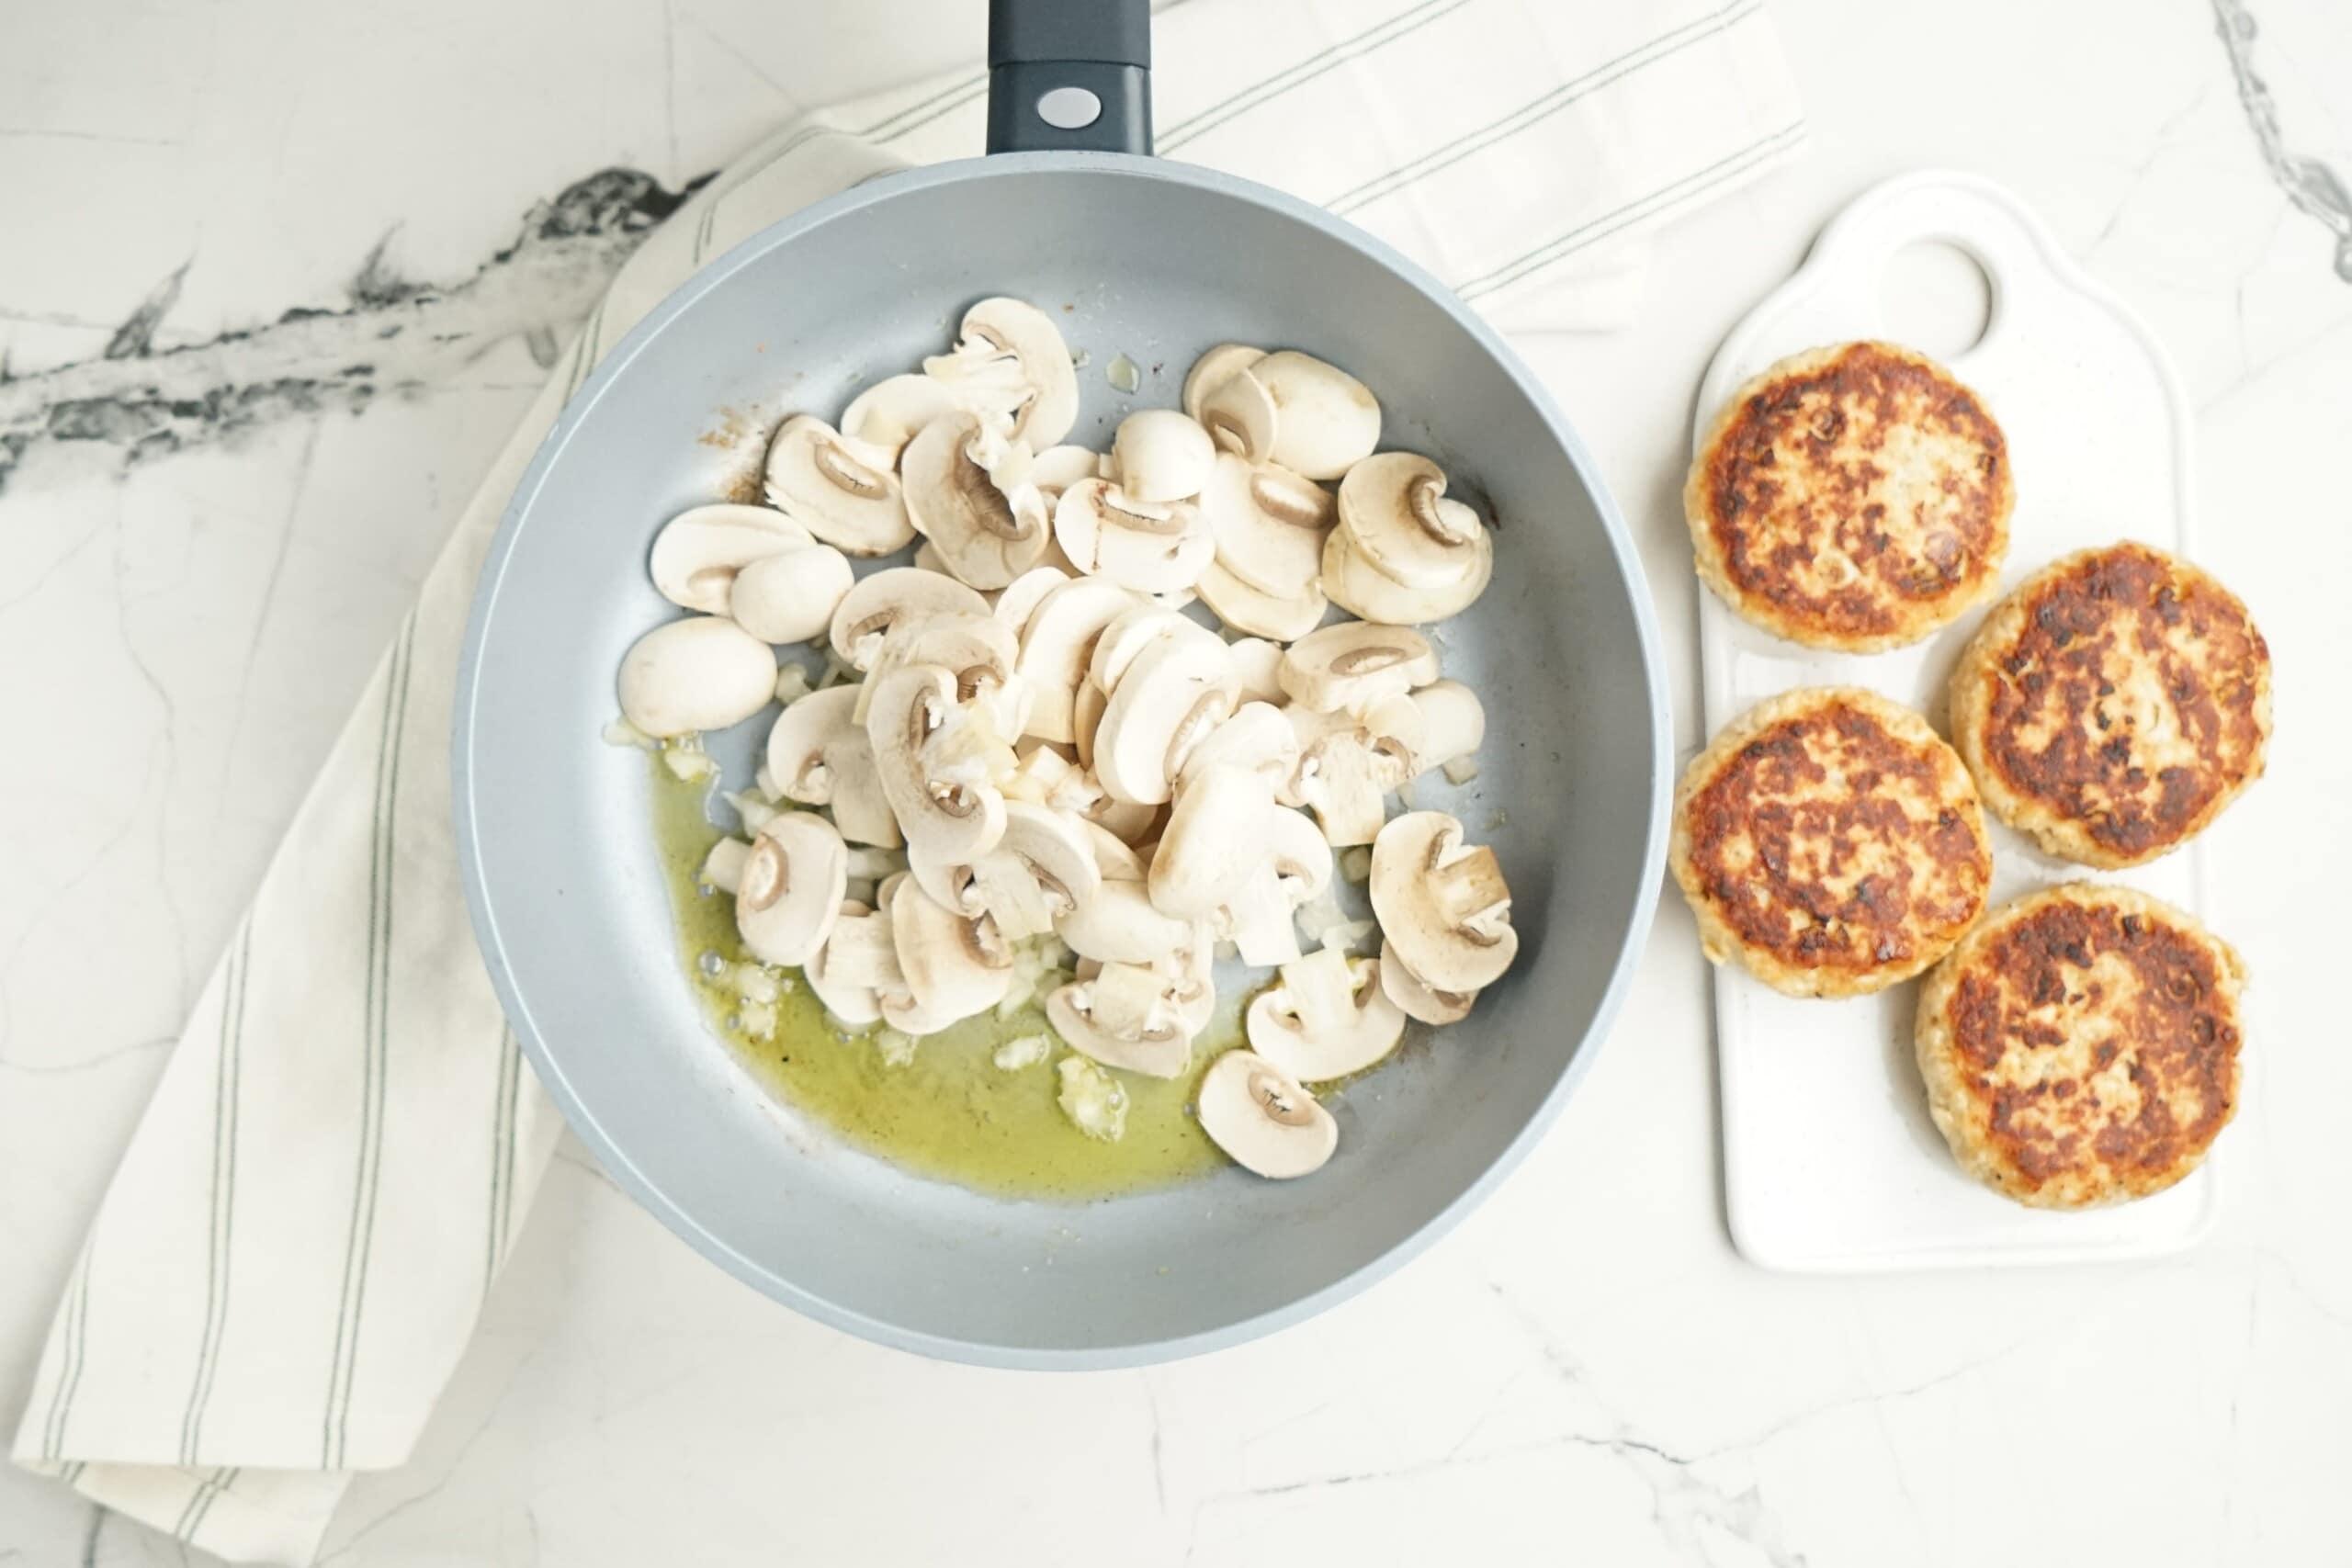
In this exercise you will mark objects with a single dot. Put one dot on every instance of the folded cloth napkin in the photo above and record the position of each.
(291, 1257)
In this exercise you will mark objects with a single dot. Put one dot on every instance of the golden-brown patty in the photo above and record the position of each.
(1830, 841)
(2114, 705)
(1854, 497)
(2081, 1047)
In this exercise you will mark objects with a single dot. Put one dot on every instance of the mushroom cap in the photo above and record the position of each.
(1259, 614)
(1356, 662)
(985, 538)
(1159, 1048)
(1454, 723)
(702, 672)
(841, 491)
(1056, 643)
(951, 965)
(1173, 686)
(1056, 468)
(1018, 329)
(1162, 455)
(1147, 545)
(1057, 849)
(1022, 596)
(1240, 417)
(881, 600)
(1326, 420)
(1269, 523)
(1391, 505)
(790, 596)
(789, 891)
(1219, 834)
(858, 961)
(1256, 664)
(1358, 587)
(1442, 905)
(699, 552)
(1327, 1018)
(1255, 738)
(1213, 369)
(1413, 996)
(1263, 1117)
(886, 415)
(955, 823)
(1120, 925)
(1130, 633)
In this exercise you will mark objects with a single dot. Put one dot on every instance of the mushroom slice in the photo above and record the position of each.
(1326, 420)
(1355, 663)
(879, 602)
(817, 754)
(1176, 686)
(985, 537)
(1044, 868)
(1258, 663)
(1217, 836)
(951, 965)
(1058, 642)
(1122, 1017)
(1024, 594)
(1453, 724)
(790, 889)
(843, 492)
(1264, 1118)
(858, 961)
(1255, 738)
(1161, 455)
(1120, 925)
(1261, 921)
(1269, 523)
(1414, 997)
(722, 868)
(1086, 719)
(1443, 905)
(886, 415)
(954, 821)
(1146, 545)
(1113, 857)
(699, 552)
(1346, 773)
(1240, 416)
(1328, 1018)
(791, 596)
(1010, 343)
(1262, 614)
(1358, 587)
(1213, 369)
(704, 672)
(979, 650)
(1056, 468)
(1129, 634)
(1398, 520)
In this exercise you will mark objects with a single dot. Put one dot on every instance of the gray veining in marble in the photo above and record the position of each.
(2310, 183)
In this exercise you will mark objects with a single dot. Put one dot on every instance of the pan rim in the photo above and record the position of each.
(546, 1061)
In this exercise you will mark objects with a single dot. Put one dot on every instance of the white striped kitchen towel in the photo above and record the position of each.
(292, 1254)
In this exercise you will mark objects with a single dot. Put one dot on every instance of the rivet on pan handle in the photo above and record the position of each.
(1069, 76)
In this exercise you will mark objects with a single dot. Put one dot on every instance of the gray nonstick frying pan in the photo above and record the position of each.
(1159, 261)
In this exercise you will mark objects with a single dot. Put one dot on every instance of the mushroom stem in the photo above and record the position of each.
(1421, 500)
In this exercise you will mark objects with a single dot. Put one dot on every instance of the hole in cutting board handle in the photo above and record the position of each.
(1936, 299)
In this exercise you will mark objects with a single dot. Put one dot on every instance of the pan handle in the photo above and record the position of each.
(1069, 76)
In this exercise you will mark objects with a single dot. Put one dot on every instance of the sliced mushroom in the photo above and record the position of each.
(1256, 664)
(886, 415)
(980, 651)
(1176, 687)
(1147, 545)
(1255, 738)
(1358, 587)
(1248, 609)
(817, 754)
(1414, 997)
(704, 672)
(1218, 835)
(858, 961)
(1327, 1018)
(722, 868)
(983, 536)
(1043, 868)
(1261, 921)
(699, 552)
(1122, 1017)
(1120, 924)
(1128, 821)
(1058, 642)
(1161, 455)
(1346, 770)
(1024, 594)
(1264, 1118)
(790, 597)
(1213, 369)
(1012, 357)
(863, 620)
(1443, 905)
(1453, 724)
(1398, 520)
(843, 492)
(1086, 719)
(1326, 420)
(1129, 634)
(790, 890)
(1356, 662)
(1057, 467)
(1240, 416)
(954, 821)
(1269, 523)
(951, 965)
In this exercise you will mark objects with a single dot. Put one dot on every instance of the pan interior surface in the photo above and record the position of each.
(1154, 263)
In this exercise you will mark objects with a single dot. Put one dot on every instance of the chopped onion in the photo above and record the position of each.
(621, 732)
(1460, 770)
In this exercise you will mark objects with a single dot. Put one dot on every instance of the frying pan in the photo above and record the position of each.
(1158, 261)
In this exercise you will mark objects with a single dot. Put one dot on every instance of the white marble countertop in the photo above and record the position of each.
(1585, 1369)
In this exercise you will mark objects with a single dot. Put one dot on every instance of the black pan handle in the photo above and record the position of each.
(1069, 76)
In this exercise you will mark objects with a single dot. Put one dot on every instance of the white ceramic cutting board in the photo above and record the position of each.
(1830, 1162)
